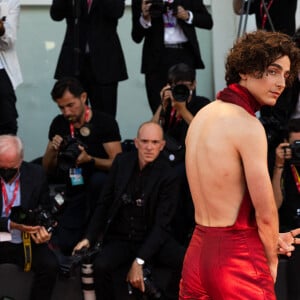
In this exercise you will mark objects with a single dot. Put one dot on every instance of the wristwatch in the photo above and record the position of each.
(92, 160)
(140, 261)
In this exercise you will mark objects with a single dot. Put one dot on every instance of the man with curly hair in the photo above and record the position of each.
(233, 250)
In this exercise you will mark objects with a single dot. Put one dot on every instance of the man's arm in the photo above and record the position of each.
(49, 161)
(282, 153)
(201, 17)
(252, 146)
(112, 149)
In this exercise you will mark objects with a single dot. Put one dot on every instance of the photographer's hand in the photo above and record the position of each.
(85, 243)
(135, 276)
(24, 228)
(145, 10)
(182, 14)
(41, 235)
(165, 96)
(83, 157)
(56, 142)
(283, 152)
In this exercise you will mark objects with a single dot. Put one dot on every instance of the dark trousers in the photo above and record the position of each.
(293, 278)
(8, 111)
(117, 256)
(158, 78)
(44, 266)
(102, 97)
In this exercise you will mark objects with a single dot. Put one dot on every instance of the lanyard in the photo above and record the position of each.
(8, 204)
(86, 117)
(264, 15)
(172, 116)
(296, 177)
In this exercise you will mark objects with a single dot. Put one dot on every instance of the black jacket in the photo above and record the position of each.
(154, 36)
(160, 197)
(33, 188)
(98, 28)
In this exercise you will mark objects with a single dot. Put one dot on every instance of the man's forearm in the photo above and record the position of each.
(268, 232)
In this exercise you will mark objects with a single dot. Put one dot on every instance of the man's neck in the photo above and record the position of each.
(84, 118)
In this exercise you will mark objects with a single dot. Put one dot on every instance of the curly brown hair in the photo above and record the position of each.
(255, 51)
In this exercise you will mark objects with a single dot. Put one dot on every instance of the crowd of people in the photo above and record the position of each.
(203, 191)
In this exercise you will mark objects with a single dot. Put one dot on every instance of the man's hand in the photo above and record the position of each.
(287, 240)
(283, 152)
(182, 14)
(145, 10)
(85, 243)
(135, 276)
(41, 236)
(56, 142)
(38, 233)
(83, 157)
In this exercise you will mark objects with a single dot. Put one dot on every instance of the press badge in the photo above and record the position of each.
(76, 176)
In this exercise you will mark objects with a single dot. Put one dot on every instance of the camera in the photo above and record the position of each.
(151, 289)
(86, 255)
(180, 92)
(39, 216)
(295, 148)
(159, 7)
(68, 153)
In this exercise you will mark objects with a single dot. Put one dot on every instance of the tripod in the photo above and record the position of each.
(243, 22)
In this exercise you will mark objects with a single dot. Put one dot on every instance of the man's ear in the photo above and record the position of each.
(136, 143)
(83, 97)
(243, 76)
(163, 143)
(194, 84)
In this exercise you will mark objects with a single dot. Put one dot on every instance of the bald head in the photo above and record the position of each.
(149, 142)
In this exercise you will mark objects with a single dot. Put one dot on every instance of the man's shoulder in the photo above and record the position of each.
(99, 115)
(29, 167)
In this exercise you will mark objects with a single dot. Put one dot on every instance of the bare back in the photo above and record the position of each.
(222, 142)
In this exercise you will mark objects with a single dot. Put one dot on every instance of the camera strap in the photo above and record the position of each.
(8, 203)
(296, 176)
(27, 251)
(86, 118)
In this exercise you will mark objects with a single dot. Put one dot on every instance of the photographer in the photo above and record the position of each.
(286, 186)
(179, 105)
(10, 73)
(133, 217)
(168, 28)
(82, 145)
(91, 50)
(24, 184)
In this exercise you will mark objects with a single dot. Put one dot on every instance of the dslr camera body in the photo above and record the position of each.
(68, 153)
(295, 148)
(39, 216)
(159, 7)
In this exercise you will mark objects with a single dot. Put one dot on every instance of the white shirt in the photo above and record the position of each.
(8, 55)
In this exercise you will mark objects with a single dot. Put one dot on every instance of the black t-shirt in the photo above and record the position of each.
(177, 128)
(291, 201)
(282, 13)
(103, 129)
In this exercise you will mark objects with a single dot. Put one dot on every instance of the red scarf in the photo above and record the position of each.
(239, 95)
